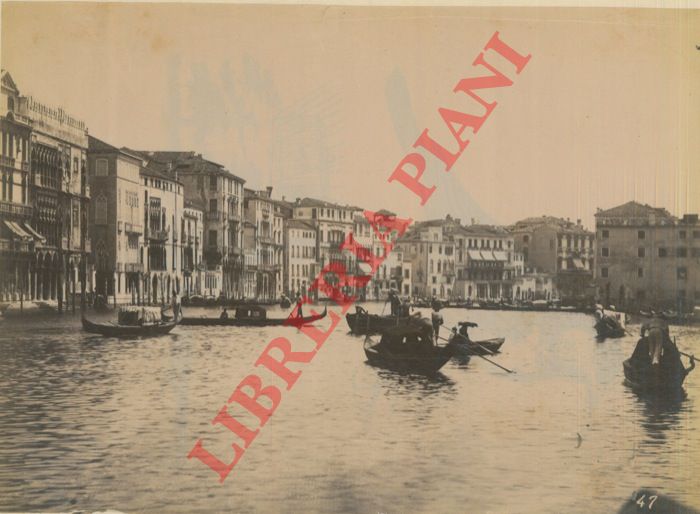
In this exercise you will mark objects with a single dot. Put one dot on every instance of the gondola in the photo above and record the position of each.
(252, 316)
(408, 349)
(133, 322)
(484, 347)
(363, 323)
(663, 378)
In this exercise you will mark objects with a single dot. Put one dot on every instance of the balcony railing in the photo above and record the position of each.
(214, 216)
(233, 216)
(7, 161)
(15, 209)
(158, 235)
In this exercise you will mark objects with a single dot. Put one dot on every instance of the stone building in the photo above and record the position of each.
(487, 263)
(45, 200)
(562, 248)
(263, 235)
(332, 222)
(301, 257)
(18, 239)
(116, 221)
(221, 192)
(194, 274)
(647, 258)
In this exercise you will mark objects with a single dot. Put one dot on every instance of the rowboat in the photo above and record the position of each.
(665, 377)
(364, 323)
(252, 316)
(133, 322)
(409, 350)
(483, 347)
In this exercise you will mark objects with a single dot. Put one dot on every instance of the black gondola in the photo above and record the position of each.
(363, 323)
(252, 316)
(133, 322)
(408, 349)
(665, 377)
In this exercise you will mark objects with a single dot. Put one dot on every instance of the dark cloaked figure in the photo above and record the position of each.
(395, 303)
(224, 314)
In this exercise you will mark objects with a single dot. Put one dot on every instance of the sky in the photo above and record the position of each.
(325, 101)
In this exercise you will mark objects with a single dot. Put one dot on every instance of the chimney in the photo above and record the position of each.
(269, 191)
(578, 222)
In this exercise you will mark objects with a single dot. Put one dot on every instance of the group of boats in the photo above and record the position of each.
(411, 342)
(142, 321)
(664, 375)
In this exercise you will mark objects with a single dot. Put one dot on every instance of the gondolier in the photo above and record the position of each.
(437, 321)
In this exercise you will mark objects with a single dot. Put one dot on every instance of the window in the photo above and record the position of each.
(641, 294)
(604, 272)
(212, 238)
(212, 182)
(641, 252)
(682, 234)
(526, 239)
(663, 252)
(696, 234)
(695, 252)
(605, 234)
(640, 272)
(101, 210)
(101, 169)
(213, 205)
(682, 252)
(605, 251)
(681, 273)
(641, 234)
(434, 280)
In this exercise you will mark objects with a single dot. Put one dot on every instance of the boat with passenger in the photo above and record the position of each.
(134, 321)
(409, 349)
(251, 316)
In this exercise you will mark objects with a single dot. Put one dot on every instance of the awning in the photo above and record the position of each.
(17, 230)
(475, 255)
(28, 228)
(578, 264)
(500, 256)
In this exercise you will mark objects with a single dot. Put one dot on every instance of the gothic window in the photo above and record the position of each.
(101, 209)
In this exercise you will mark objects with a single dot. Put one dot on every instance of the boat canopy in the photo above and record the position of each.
(135, 315)
(251, 312)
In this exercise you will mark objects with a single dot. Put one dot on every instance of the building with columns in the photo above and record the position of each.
(46, 198)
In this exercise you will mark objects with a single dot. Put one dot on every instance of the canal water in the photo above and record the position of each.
(93, 423)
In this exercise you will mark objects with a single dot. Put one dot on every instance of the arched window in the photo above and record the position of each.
(101, 209)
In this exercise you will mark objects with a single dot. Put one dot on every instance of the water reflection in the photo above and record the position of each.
(661, 413)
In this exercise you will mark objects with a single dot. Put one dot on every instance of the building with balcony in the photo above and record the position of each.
(46, 196)
(647, 258)
(487, 263)
(332, 222)
(264, 230)
(161, 251)
(192, 233)
(116, 221)
(562, 248)
(221, 192)
(300, 252)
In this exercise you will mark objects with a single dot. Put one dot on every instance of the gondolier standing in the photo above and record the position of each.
(656, 332)
(299, 305)
(437, 320)
(176, 304)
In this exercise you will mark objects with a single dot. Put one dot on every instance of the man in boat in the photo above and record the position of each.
(395, 303)
(437, 320)
(300, 302)
(176, 304)
(656, 331)
(224, 314)
(463, 331)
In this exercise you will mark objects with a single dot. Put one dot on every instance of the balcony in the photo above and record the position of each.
(7, 161)
(133, 267)
(158, 235)
(214, 216)
(15, 209)
(132, 228)
(8, 245)
(233, 216)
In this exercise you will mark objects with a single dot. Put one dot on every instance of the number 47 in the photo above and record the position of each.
(652, 499)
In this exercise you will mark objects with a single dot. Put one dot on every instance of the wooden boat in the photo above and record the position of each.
(408, 349)
(133, 322)
(364, 323)
(483, 347)
(252, 316)
(663, 378)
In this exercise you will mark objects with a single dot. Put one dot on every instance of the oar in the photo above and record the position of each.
(475, 343)
(487, 360)
(682, 353)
